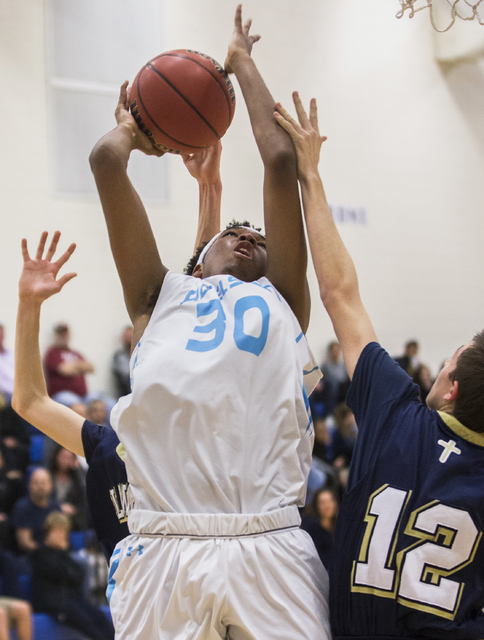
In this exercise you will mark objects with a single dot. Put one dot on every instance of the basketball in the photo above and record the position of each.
(183, 101)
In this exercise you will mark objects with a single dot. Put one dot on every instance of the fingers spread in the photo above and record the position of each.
(313, 114)
(25, 251)
(66, 255)
(41, 246)
(53, 245)
(301, 113)
(68, 276)
(238, 17)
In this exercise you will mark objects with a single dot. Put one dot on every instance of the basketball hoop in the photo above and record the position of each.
(452, 9)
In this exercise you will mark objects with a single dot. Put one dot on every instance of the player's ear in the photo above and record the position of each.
(453, 393)
(198, 271)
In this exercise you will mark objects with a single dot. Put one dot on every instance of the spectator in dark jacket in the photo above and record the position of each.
(57, 581)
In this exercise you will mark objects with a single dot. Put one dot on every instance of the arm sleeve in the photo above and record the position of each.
(92, 434)
(379, 385)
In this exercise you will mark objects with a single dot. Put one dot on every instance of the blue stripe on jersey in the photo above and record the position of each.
(306, 373)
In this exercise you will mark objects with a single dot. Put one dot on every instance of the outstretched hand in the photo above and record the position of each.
(204, 165)
(240, 41)
(38, 280)
(124, 118)
(304, 135)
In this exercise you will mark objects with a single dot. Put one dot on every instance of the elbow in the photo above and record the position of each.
(103, 158)
(337, 297)
(19, 405)
(281, 159)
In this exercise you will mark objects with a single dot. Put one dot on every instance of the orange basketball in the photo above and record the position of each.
(183, 101)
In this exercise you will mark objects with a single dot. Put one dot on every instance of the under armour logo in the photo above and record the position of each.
(138, 549)
(449, 447)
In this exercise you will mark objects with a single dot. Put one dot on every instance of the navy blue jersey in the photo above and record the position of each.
(408, 559)
(106, 485)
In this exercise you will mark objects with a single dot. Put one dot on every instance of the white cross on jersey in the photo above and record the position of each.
(449, 447)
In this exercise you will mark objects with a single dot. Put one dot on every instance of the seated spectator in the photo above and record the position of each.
(120, 364)
(15, 436)
(30, 512)
(97, 412)
(344, 437)
(69, 488)
(320, 522)
(15, 614)
(11, 489)
(6, 370)
(66, 369)
(57, 583)
(335, 378)
(323, 442)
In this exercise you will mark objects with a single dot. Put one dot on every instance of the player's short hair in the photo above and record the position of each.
(192, 263)
(57, 519)
(469, 373)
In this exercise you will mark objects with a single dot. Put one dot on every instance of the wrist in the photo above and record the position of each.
(29, 302)
(214, 183)
(238, 59)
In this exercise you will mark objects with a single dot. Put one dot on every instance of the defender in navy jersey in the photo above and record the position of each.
(409, 555)
(106, 485)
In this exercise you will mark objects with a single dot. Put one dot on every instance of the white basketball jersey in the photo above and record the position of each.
(218, 420)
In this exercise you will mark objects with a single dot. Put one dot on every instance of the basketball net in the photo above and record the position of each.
(451, 9)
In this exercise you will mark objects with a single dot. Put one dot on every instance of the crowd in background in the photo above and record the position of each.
(49, 557)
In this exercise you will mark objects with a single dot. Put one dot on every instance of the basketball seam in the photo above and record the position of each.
(215, 75)
(149, 66)
(140, 98)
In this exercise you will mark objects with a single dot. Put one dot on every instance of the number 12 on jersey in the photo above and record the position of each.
(418, 576)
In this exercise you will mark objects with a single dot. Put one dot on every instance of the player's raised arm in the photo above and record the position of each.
(335, 270)
(132, 242)
(38, 282)
(204, 166)
(286, 245)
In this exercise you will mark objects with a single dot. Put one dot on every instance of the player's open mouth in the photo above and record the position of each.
(244, 249)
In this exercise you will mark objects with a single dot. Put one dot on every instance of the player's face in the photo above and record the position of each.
(239, 253)
(443, 383)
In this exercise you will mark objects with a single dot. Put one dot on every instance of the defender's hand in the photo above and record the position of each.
(38, 280)
(240, 43)
(304, 135)
(204, 165)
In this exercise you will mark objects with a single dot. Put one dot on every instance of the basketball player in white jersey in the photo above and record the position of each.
(217, 429)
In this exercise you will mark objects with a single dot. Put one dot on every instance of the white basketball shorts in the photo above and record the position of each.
(213, 577)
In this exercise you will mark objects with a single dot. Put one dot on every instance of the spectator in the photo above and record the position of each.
(6, 369)
(420, 373)
(97, 412)
(423, 378)
(11, 489)
(120, 364)
(30, 512)
(344, 438)
(409, 361)
(320, 523)
(66, 369)
(69, 486)
(15, 614)
(15, 438)
(335, 378)
(57, 581)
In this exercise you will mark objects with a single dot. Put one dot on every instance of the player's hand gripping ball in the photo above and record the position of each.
(183, 101)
